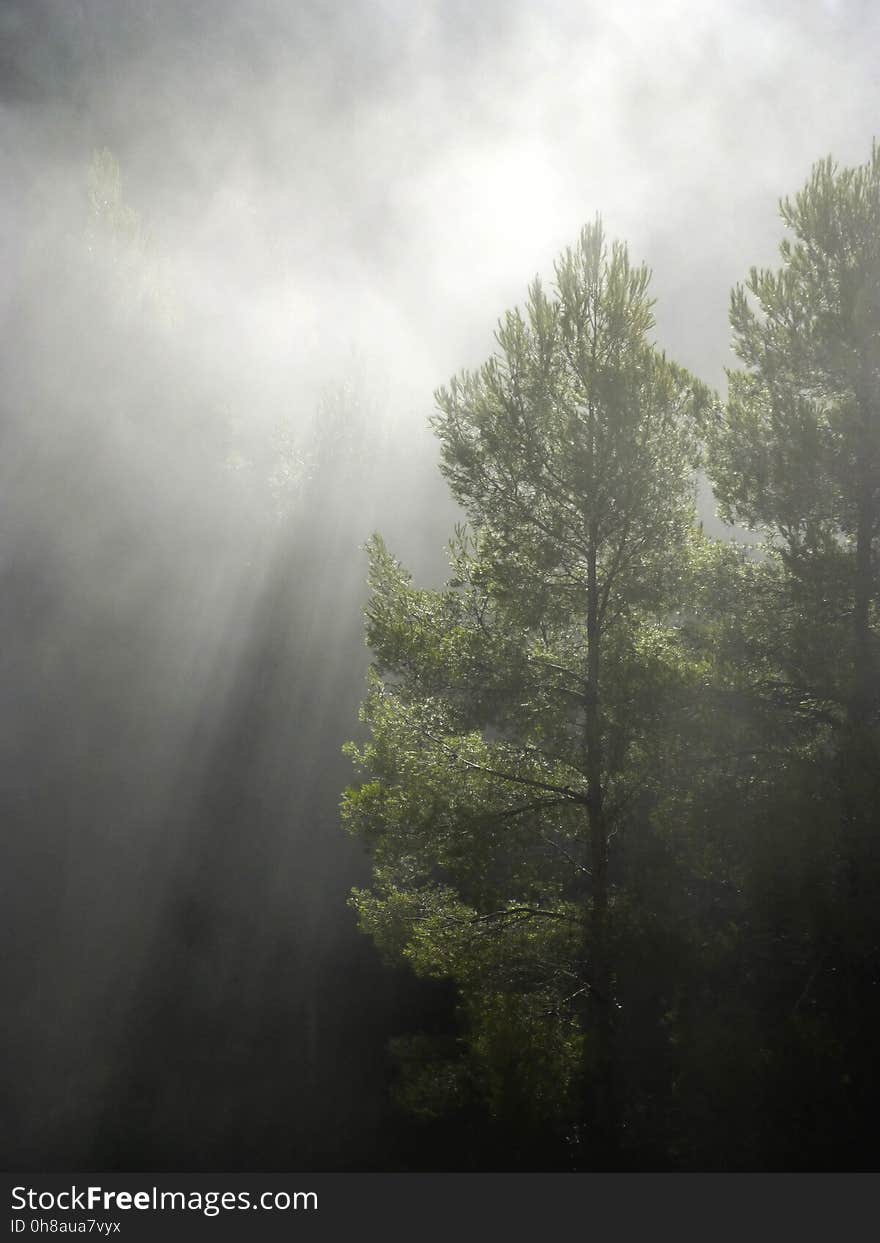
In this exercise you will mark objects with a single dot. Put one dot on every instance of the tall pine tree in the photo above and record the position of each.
(797, 453)
(515, 714)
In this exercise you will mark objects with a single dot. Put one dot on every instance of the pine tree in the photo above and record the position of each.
(516, 713)
(799, 449)
(797, 453)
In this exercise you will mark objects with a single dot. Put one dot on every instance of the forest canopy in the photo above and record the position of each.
(621, 779)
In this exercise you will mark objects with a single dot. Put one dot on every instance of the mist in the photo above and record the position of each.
(242, 245)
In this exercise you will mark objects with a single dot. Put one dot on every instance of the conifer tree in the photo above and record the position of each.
(515, 712)
(797, 453)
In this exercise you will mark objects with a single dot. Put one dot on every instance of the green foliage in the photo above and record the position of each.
(576, 431)
(798, 448)
(495, 742)
(798, 424)
(620, 784)
(797, 451)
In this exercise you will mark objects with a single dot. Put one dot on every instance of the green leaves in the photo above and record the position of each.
(613, 766)
(514, 714)
(805, 412)
(573, 436)
(798, 450)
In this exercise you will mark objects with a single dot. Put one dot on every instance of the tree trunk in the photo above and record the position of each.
(599, 1067)
(863, 689)
(858, 756)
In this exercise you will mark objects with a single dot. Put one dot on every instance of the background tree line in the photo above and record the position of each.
(621, 780)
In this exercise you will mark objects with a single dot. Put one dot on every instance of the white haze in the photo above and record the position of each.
(389, 176)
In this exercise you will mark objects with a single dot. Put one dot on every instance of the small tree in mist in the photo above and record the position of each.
(515, 714)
